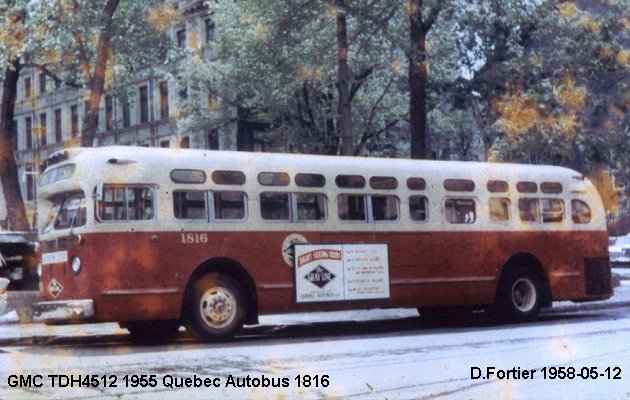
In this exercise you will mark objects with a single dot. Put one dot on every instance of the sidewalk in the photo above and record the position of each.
(24, 334)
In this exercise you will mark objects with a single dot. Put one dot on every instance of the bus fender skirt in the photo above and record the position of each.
(69, 311)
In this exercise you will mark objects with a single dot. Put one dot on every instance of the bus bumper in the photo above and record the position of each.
(63, 311)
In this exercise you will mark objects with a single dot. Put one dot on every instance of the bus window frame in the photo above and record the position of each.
(100, 194)
(426, 210)
(476, 204)
(293, 210)
(211, 208)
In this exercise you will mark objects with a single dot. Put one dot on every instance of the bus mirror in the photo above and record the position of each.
(99, 192)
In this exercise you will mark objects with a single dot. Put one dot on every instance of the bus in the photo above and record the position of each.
(159, 238)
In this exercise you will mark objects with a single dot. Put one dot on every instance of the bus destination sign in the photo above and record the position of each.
(338, 272)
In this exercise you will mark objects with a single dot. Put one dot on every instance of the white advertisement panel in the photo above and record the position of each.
(335, 272)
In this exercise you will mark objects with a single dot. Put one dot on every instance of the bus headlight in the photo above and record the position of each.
(76, 264)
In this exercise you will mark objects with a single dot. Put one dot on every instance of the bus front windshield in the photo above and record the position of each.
(68, 211)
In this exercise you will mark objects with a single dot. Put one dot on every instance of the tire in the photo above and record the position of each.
(215, 308)
(152, 332)
(519, 296)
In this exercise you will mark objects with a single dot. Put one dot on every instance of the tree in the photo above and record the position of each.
(418, 73)
(94, 43)
(57, 38)
(297, 74)
(12, 36)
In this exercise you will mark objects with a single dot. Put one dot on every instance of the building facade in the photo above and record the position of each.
(48, 115)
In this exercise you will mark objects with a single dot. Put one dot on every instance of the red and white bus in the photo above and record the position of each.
(158, 238)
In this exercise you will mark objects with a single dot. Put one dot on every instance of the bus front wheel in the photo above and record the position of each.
(519, 295)
(215, 308)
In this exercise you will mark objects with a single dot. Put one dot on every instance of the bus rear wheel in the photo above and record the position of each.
(215, 308)
(519, 296)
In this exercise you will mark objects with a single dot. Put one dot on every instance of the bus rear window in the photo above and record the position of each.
(552, 210)
(580, 212)
(126, 203)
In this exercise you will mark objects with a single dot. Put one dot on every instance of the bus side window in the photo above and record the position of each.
(310, 206)
(499, 208)
(580, 212)
(418, 209)
(229, 205)
(126, 203)
(112, 207)
(275, 206)
(460, 211)
(188, 204)
(351, 207)
(552, 210)
(528, 209)
(140, 203)
(384, 208)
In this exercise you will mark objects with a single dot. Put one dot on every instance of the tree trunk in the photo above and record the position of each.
(417, 81)
(97, 80)
(343, 84)
(16, 213)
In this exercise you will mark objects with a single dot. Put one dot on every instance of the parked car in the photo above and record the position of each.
(4, 283)
(18, 261)
(619, 250)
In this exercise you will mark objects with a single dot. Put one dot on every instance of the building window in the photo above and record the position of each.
(58, 125)
(27, 88)
(185, 143)
(213, 140)
(30, 182)
(183, 88)
(210, 30)
(28, 124)
(74, 120)
(126, 110)
(144, 104)
(42, 83)
(43, 128)
(165, 143)
(14, 135)
(109, 113)
(181, 38)
(163, 99)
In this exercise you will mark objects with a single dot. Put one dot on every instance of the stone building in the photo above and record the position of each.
(48, 116)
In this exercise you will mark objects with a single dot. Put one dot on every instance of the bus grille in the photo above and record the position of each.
(598, 277)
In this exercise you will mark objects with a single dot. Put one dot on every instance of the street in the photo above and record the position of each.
(369, 354)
